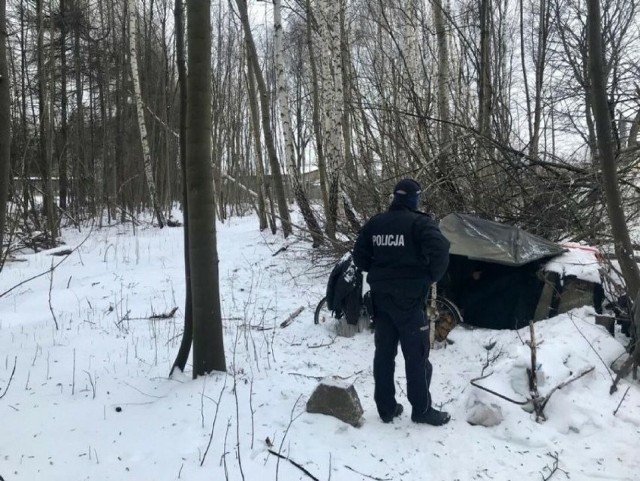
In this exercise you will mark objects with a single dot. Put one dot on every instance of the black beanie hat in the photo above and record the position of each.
(407, 193)
(408, 187)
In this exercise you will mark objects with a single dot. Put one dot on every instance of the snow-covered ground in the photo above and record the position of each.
(91, 400)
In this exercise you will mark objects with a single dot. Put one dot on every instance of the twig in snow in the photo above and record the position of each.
(315, 346)
(48, 270)
(591, 346)
(317, 378)
(286, 431)
(213, 424)
(166, 315)
(491, 359)
(620, 403)
(93, 384)
(282, 249)
(554, 468)
(367, 475)
(53, 314)
(15, 361)
(297, 465)
(624, 370)
(474, 382)
(292, 317)
(565, 383)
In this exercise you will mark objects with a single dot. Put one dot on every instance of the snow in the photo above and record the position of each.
(579, 260)
(92, 400)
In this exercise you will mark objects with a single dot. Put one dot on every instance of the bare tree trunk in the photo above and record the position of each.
(540, 63)
(62, 166)
(266, 121)
(79, 168)
(255, 129)
(635, 127)
(285, 118)
(44, 119)
(208, 342)
(443, 81)
(622, 242)
(187, 334)
(332, 98)
(5, 121)
(144, 140)
(316, 113)
(345, 62)
(485, 91)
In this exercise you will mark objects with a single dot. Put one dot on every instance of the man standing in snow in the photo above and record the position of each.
(403, 252)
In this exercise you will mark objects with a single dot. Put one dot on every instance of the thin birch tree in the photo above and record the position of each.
(265, 110)
(332, 101)
(5, 125)
(144, 140)
(285, 119)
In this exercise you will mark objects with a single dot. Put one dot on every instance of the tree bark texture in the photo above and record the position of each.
(187, 334)
(5, 125)
(485, 88)
(208, 342)
(255, 129)
(44, 119)
(622, 241)
(316, 111)
(137, 92)
(285, 119)
(332, 101)
(265, 107)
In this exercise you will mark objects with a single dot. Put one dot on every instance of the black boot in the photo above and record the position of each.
(431, 416)
(398, 411)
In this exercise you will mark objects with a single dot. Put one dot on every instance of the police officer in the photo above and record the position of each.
(403, 252)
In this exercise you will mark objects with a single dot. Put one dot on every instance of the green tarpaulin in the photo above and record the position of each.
(489, 241)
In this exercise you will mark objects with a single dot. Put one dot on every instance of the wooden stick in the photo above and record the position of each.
(297, 465)
(620, 403)
(15, 361)
(501, 396)
(367, 475)
(292, 317)
(166, 315)
(563, 384)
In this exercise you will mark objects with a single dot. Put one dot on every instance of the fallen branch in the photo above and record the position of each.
(554, 468)
(625, 369)
(166, 315)
(61, 253)
(317, 378)
(565, 383)
(51, 269)
(292, 317)
(282, 249)
(474, 382)
(297, 465)
(292, 418)
(367, 475)
(620, 403)
(241, 185)
(315, 346)
(15, 361)
(591, 346)
(53, 314)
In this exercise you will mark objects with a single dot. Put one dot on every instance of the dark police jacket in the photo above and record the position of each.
(403, 252)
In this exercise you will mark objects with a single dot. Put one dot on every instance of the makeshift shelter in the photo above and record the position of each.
(497, 276)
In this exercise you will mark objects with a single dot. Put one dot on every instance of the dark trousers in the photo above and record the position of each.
(401, 320)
